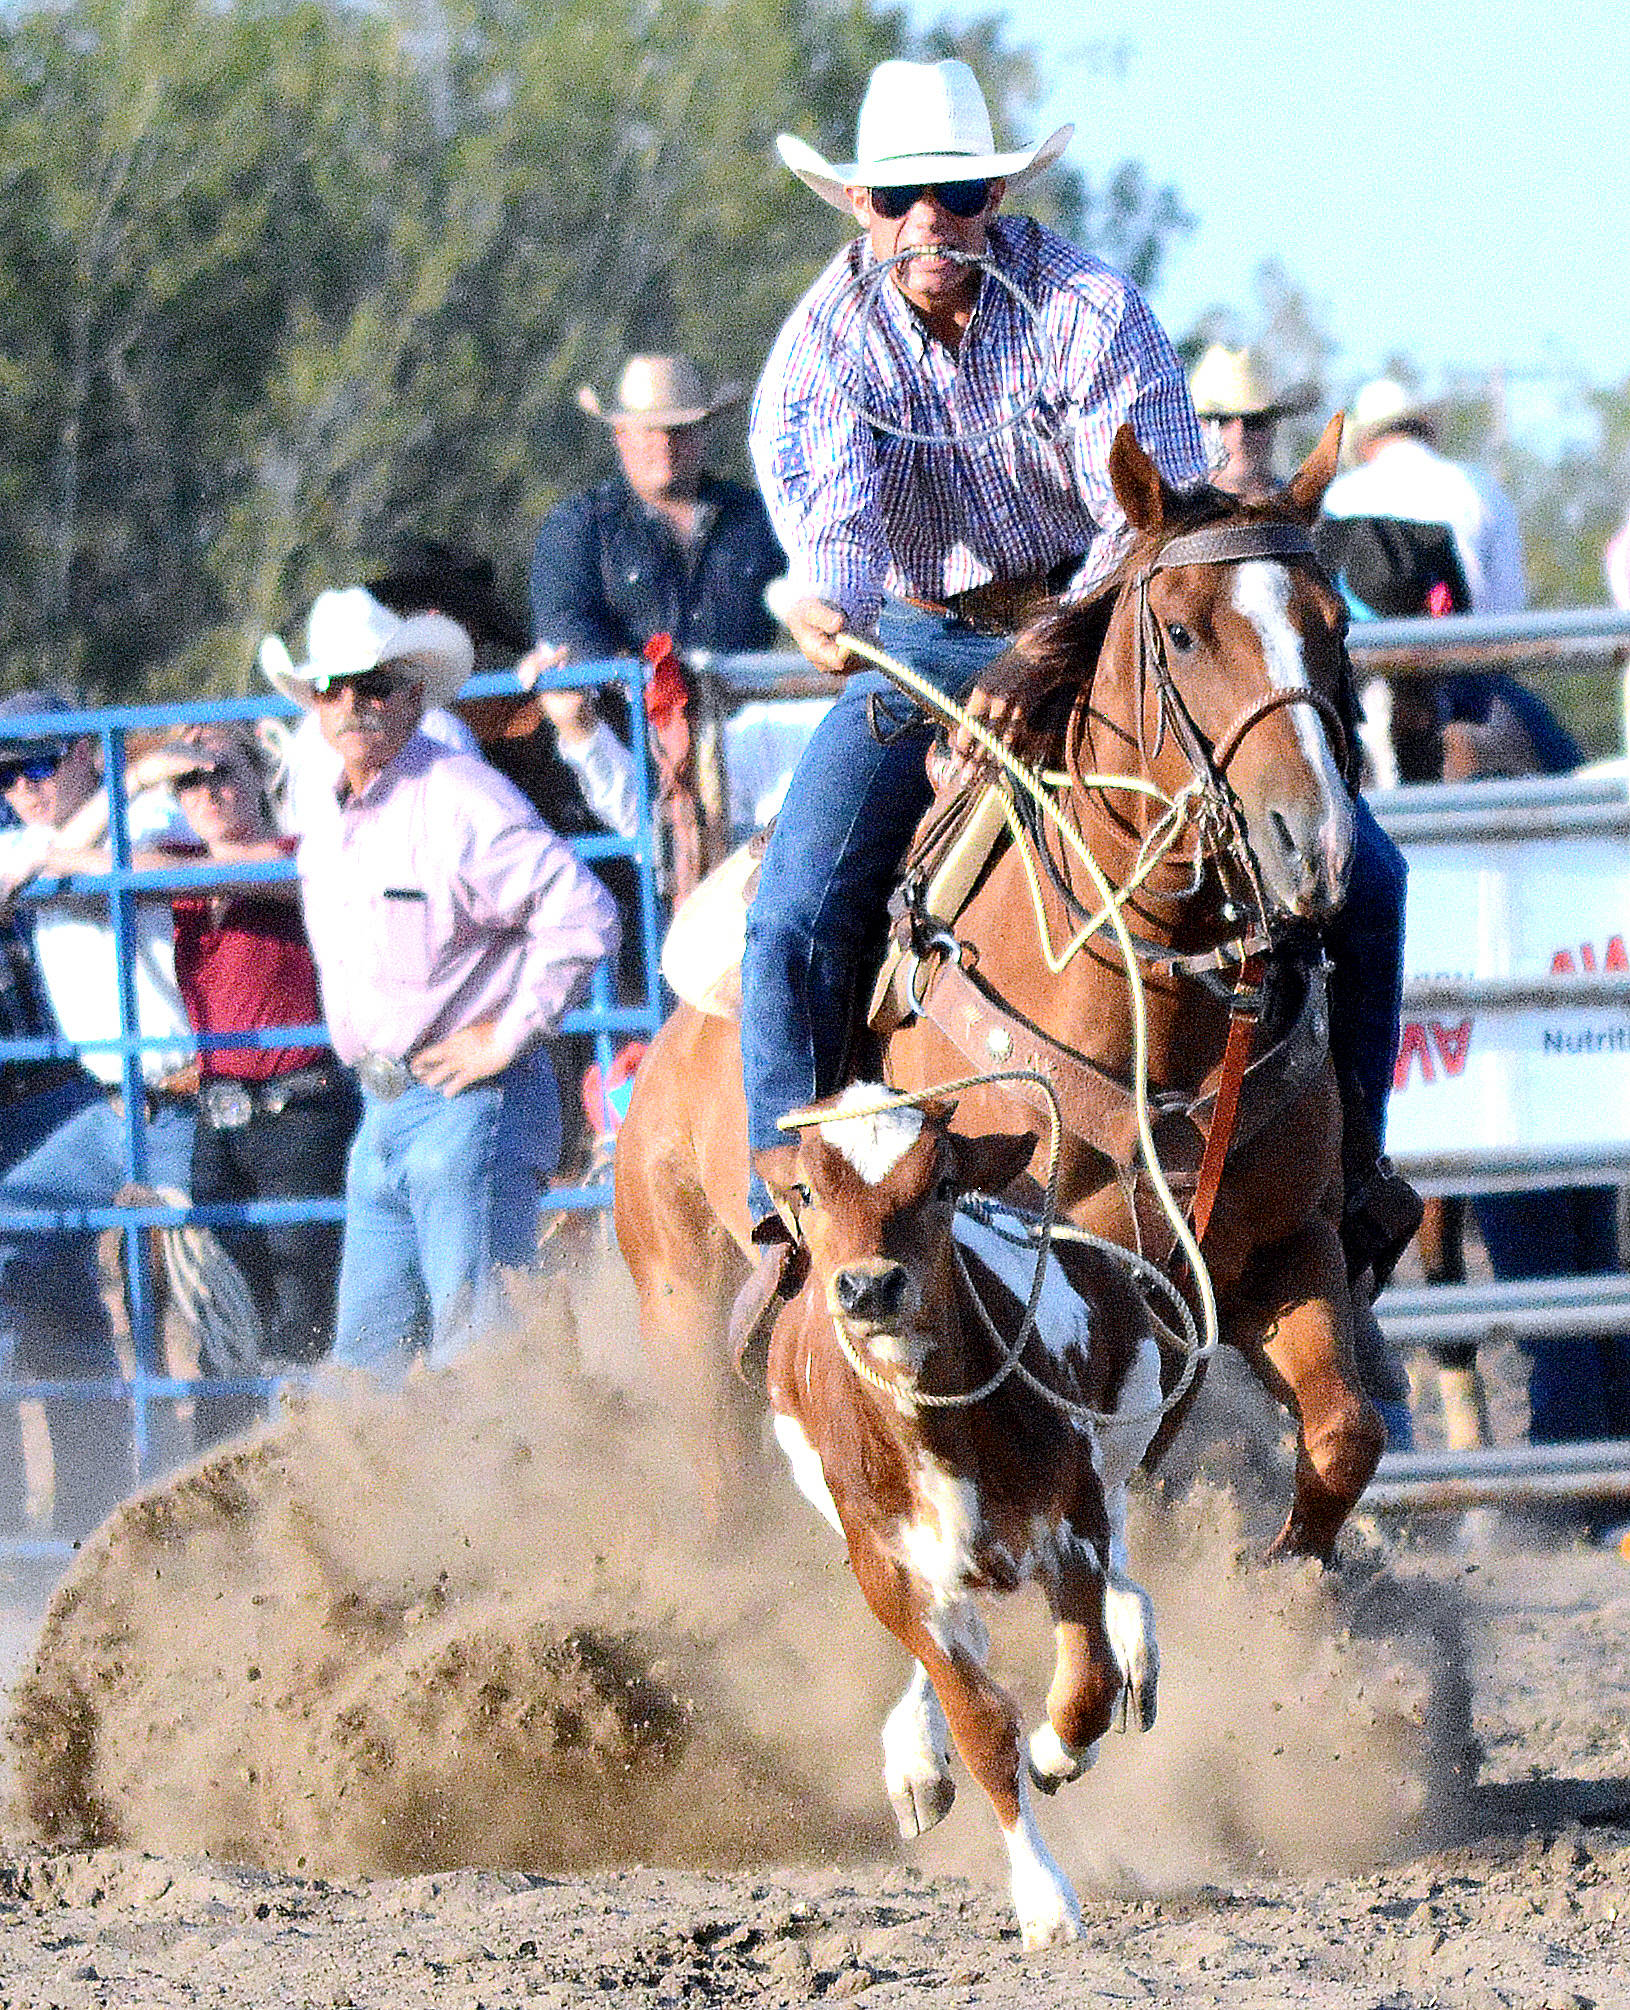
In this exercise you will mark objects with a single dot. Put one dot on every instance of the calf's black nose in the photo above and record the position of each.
(871, 1294)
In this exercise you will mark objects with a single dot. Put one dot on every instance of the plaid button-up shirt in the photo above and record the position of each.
(861, 511)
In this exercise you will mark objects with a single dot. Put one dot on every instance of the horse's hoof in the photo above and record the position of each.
(1142, 1697)
(919, 1804)
(1053, 1764)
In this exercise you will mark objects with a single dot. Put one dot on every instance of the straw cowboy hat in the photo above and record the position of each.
(1227, 384)
(349, 631)
(920, 122)
(658, 391)
(1384, 403)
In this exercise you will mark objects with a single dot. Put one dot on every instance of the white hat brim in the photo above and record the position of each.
(440, 651)
(829, 181)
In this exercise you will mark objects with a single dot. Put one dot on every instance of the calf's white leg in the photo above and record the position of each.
(916, 1758)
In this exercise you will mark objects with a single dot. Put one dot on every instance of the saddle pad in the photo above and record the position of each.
(701, 953)
(944, 899)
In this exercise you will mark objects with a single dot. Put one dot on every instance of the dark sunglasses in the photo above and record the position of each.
(201, 778)
(957, 198)
(33, 768)
(375, 684)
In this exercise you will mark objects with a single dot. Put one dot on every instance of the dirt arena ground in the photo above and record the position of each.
(448, 1698)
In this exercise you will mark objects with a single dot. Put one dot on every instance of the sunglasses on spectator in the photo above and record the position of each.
(31, 768)
(957, 198)
(204, 777)
(377, 685)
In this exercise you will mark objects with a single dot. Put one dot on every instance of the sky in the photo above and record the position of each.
(1445, 180)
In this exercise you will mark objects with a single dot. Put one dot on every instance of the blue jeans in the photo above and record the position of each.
(69, 1152)
(836, 851)
(438, 1190)
(1366, 947)
(832, 861)
(1577, 1389)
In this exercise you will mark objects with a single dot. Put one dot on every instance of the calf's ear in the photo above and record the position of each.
(988, 1164)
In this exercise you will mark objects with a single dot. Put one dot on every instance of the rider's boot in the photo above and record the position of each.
(1381, 1211)
(778, 1274)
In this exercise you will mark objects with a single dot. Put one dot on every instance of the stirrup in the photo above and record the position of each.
(1379, 1221)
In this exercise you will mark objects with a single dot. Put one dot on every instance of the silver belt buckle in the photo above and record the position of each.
(228, 1104)
(383, 1077)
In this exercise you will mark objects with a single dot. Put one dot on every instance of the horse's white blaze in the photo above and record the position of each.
(808, 1474)
(1042, 1897)
(1262, 595)
(874, 1145)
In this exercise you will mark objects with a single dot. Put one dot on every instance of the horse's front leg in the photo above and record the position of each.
(949, 1644)
(1301, 1348)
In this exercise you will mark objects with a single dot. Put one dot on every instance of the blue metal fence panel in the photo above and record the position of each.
(603, 1017)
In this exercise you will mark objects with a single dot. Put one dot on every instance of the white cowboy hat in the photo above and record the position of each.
(349, 631)
(1227, 384)
(920, 122)
(1382, 404)
(658, 391)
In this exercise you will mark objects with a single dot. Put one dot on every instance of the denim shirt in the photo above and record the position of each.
(608, 574)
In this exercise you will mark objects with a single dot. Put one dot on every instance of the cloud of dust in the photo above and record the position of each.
(483, 1621)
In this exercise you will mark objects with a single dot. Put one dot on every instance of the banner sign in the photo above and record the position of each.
(1493, 1077)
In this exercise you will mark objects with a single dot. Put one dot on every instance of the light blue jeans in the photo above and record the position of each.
(70, 1153)
(438, 1190)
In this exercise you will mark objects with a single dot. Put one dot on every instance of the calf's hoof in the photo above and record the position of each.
(1053, 1927)
(1052, 1763)
(920, 1803)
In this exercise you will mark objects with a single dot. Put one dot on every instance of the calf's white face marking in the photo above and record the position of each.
(874, 1145)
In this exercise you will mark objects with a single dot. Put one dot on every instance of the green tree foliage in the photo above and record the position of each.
(286, 281)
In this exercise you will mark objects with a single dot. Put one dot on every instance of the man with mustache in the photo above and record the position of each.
(452, 930)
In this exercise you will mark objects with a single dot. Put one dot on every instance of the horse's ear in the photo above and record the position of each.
(1136, 481)
(1306, 488)
(987, 1165)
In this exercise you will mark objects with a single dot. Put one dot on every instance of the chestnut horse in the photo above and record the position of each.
(1207, 673)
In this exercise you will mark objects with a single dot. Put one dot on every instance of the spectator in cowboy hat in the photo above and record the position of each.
(1392, 434)
(452, 930)
(663, 548)
(1238, 414)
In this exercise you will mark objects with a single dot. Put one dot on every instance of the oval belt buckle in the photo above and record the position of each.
(383, 1077)
(230, 1105)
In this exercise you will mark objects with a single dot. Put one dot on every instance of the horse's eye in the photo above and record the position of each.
(802, 1194)
(1179, 636)
(946, 1191)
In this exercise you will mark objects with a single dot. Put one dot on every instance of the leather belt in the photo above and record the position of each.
(227, 1102)
(383, 1077)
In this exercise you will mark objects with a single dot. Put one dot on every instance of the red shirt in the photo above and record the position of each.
(251, 967)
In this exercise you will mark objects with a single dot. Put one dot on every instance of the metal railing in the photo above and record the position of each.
(606, 1020)
(1552, 1308)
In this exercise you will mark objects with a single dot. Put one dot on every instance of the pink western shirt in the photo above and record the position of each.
(438, 897)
